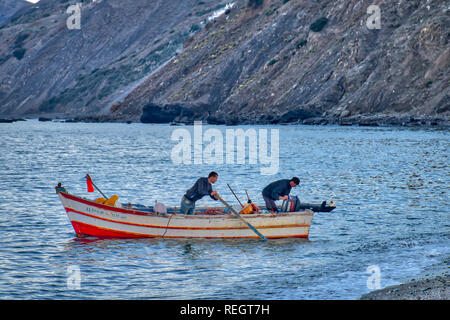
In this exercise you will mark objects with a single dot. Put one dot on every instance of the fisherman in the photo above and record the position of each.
(278, 190)
(201, 188)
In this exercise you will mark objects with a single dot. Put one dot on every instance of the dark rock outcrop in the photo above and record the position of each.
(297, 115)
(153, 113)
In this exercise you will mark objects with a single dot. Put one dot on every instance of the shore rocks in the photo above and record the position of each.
(436, 288)
(11, 120)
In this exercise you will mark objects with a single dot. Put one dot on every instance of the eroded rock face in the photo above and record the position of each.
(9, 8)
(47, 69)
(271, 61)
(309, 62)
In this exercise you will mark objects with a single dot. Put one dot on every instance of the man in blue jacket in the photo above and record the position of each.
(201, 188)
(278, 190)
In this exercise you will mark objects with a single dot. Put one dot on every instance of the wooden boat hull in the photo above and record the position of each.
(89, 218)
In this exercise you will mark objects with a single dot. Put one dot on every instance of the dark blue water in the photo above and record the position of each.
(390, 185)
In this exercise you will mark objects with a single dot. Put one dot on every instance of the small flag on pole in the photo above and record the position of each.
(90, 186)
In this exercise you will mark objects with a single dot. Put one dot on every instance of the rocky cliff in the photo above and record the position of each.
(47, 68)
(306, 61)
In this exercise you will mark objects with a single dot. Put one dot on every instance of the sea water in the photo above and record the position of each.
(390, 186)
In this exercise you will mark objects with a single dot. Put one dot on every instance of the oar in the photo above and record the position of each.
(239, 216)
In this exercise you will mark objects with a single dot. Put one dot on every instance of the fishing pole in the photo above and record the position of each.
(248, 198)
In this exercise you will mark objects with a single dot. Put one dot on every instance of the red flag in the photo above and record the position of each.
(90, 186)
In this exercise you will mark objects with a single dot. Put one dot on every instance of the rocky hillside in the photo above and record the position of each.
(47, 69)
(307, 61)
(8, 8)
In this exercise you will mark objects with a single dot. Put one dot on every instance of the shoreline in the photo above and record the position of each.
(436, 287)
(409, 122)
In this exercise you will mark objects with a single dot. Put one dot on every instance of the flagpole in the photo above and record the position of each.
(90, 179)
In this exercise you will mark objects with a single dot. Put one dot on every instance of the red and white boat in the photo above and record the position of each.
(90, 218)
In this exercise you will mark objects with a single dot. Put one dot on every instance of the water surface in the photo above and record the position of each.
(390, 186)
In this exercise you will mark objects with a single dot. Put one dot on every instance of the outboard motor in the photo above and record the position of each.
(291, 204)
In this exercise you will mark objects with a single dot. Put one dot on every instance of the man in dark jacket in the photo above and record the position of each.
(201, 188)
(278, 190)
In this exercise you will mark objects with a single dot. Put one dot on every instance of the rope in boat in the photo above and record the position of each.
(168, 222)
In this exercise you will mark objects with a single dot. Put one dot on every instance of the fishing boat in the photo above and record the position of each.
(90, 218)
